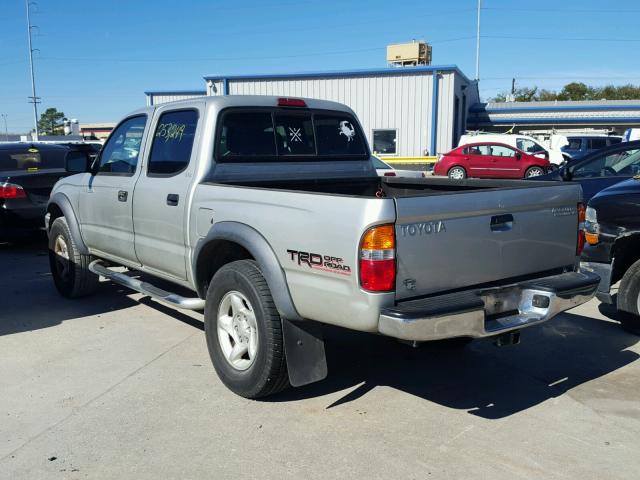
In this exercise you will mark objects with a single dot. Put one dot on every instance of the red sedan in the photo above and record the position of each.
(490, 160)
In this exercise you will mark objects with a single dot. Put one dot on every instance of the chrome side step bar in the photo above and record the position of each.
(145, 288)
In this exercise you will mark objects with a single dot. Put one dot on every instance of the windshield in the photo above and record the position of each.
(529, 146)
(249, 135)
(626, 162)
(31, 159)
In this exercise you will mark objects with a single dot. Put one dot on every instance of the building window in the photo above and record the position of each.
(385, 142)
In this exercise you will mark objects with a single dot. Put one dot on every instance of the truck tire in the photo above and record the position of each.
(457, 173)
(70, 269)
(628, 299)
(534, 171)
(244, 331)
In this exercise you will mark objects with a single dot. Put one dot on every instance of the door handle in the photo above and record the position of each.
(122, 195)
(173, 199)
(501, 223)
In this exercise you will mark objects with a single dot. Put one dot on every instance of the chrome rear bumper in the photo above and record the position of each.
(490, 311)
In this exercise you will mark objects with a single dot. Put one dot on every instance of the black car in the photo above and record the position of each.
(601, 169)
(28, 172)
(612, 231)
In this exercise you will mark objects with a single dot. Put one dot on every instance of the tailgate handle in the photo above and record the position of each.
(501, 223)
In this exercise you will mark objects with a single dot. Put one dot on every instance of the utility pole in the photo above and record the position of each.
(478, 42)
(513, 86)
(33, 98)
(6, 129)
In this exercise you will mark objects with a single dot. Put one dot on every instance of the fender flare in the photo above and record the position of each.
(64, 204)
(250, 239)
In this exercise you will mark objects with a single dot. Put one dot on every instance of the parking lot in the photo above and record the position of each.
(116, 385)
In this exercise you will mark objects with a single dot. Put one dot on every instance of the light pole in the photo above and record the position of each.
(6, 129)
(34, 99)
(478, 42)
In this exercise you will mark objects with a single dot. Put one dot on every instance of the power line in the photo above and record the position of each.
(560, 10)
(563, 39)
(238, 58)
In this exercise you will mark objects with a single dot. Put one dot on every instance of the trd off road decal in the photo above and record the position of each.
(326, 263)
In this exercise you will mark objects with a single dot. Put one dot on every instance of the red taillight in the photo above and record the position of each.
(378, 259)
(581, 237)
(291, 102)
(389, 174)
(11, 191)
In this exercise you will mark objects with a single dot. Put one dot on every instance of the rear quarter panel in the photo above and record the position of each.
(322, 224)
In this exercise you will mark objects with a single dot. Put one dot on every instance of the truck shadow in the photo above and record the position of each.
(484, 380)
(30, 300)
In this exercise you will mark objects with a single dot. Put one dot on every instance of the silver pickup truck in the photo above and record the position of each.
(270, 211)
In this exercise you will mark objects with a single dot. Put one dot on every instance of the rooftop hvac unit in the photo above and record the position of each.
(414, 53)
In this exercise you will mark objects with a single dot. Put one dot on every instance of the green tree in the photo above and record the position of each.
(523, 94)
(51, 122)
(576, 91)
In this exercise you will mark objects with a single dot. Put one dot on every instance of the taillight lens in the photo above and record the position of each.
(11, 191)
(389, 174)
(581, 238)
(378, 259)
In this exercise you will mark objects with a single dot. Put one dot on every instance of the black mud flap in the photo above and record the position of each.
(304, 348)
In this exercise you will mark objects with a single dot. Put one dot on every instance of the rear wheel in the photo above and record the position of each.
(628, 299)
(457, 173)
(534, 171)
(244, 331)
(69, 268)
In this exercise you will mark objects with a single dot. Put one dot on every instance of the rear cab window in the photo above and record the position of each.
(280, 134)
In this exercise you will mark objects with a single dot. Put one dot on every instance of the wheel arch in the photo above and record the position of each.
(230, 241)
(625, 252)
(60, 206)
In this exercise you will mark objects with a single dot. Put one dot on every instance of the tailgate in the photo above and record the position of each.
(457, 240)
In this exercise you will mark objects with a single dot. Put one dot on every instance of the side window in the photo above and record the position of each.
(501, 151)
(384, 142)
(172, 142)
(597, 143)
(120, 153)
(528, 146)
(574, 143)
(483, 150)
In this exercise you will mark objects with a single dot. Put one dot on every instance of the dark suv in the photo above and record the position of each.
(612, 231)
(28, 172)
(580, 146)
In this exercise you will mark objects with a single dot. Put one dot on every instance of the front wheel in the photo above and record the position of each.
(457, 173)
(244, 331)
(534, 171)
(69, 268)
(628, 299)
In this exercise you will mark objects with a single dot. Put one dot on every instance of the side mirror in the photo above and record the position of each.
(77, 162)
(518, 155)
(565, 173)
(546, 154)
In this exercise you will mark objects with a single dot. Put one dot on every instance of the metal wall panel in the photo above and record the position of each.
(157, 99)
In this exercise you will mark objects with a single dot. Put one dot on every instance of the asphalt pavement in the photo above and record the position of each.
(117, 386)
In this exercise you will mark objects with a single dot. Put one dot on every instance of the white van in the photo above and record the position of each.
(523, 143)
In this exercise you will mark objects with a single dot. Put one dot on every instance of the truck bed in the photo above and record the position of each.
(392, 187)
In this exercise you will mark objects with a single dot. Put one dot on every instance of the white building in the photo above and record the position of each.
(407, 113)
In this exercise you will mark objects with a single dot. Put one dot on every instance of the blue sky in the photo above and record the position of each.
(97, 58)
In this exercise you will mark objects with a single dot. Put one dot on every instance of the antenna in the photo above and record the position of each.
(33, 98)
(478, 42)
